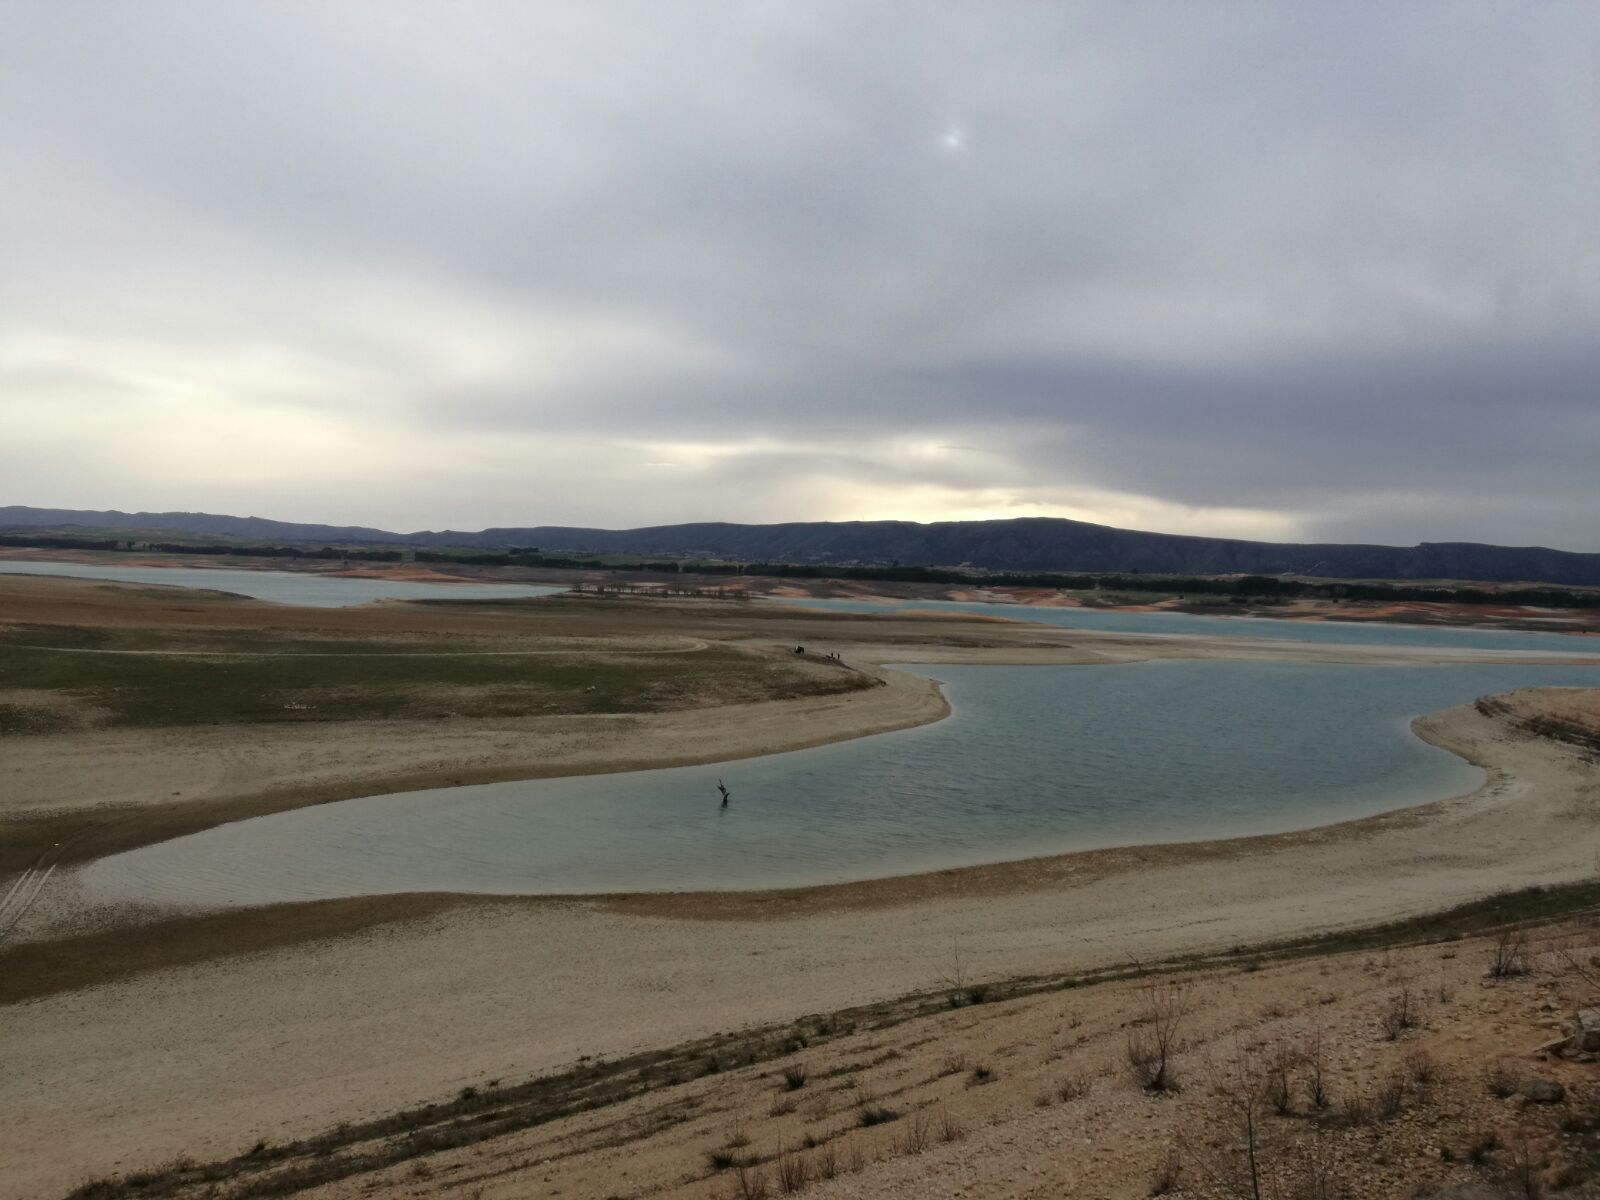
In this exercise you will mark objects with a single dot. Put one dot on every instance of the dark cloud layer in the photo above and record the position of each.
(1263, 269)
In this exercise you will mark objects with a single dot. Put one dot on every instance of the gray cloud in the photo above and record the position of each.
(1266, 269)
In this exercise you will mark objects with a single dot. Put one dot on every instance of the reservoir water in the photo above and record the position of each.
(1199, 625)
(328, 591)
(1034, 760)
(280, 587)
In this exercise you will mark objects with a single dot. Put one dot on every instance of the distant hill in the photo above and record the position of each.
(1024, 544)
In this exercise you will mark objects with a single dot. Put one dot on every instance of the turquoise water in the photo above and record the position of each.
(1034, 760)
(281, 587)
(1193, 624)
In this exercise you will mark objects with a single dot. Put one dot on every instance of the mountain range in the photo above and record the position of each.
(1021, 544)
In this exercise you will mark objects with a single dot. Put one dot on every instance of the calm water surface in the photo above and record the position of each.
(1034, 760)
(281, 587)
(1194, 624)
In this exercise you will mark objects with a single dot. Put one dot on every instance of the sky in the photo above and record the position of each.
(1293, 271)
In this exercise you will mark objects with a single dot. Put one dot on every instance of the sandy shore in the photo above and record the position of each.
(280, 766)
(97, 792)
(207, 1059)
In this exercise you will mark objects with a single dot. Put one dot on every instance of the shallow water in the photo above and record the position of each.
(1034, 760)
(281, 587)
(1197, 625)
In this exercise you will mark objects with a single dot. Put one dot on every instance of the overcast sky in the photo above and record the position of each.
(1266, 270)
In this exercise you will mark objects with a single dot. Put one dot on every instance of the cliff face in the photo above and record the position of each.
(1025, 544)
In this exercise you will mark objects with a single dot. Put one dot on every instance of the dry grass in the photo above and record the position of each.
(877, 1093)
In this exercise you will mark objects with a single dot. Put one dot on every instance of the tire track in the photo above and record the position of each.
(21, 897)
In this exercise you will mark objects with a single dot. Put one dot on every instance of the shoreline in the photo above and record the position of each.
(96, 793)
(1430, 615)
(143, 771)
(506, 988)
(1046, 872)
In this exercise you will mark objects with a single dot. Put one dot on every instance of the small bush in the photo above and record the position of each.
(1500, 1081)
(1073, 1087)
(827, 1160)
(1355, 1110)
(1400, 1014)
(1151, 1047)
(913, 1138)
(1422, 1072)
(1510, 955)
(1526, 1166)
(981, 1075)
(949, 1129)
(794, 1078)
(1168, 1176)
(1482, 1146)
(1316, 1072)
(751, 1183)
(1277, 1084)
(793, 1173)
(1390, 1097)
(872, 1113)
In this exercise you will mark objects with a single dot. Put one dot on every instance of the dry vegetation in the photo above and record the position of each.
(1286, 1074)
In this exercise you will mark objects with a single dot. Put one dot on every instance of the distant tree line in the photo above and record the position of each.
(52, 542)
(1237, 588)
(33, 542)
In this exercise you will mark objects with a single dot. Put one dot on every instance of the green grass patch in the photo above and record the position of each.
(195, 679)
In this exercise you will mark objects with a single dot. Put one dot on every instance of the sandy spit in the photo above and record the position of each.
(287, 765)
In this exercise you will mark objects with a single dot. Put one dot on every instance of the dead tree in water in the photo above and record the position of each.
(723, 789)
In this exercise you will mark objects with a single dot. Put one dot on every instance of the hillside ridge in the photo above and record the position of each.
(1017, 544)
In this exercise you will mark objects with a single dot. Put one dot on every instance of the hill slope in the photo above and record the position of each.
(1024, 544)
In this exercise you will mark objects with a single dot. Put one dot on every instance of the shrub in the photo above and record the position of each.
(827, 1161)
(1400, 1014)
(1168, 1174)
(872, 1113)
(1509, 956)
(1355, 1110)
(1391, 1097)
(913, 1137)
(794, 1078)
(1071, 1088)
(1151, 1047)
(1500, 1081)
(950, 1129)
(793, 1173)
(1482, 1146)
(751, 1183)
